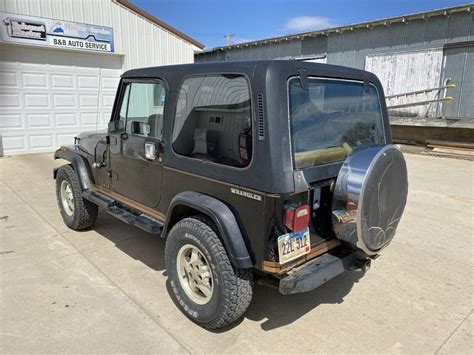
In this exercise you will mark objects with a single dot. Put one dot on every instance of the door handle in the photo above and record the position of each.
(150, 151)
(124, 136)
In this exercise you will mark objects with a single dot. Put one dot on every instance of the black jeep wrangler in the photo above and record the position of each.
(280, 170)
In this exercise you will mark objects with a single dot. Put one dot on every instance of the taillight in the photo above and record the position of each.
(351, 206)
(297, 218)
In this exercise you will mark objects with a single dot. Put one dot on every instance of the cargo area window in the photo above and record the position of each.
(213, 120)
(331, 118)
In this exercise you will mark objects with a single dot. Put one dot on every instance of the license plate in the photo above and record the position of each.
(293, 245)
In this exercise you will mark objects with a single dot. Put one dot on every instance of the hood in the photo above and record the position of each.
(88, 141)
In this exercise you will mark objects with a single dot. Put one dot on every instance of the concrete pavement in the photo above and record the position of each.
(104, 290)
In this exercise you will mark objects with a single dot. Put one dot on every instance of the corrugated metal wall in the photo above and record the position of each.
(352, 48)
(143, 42)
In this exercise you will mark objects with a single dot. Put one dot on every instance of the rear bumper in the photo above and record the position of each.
(317, 272)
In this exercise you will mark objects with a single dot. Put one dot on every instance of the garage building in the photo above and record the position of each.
(408, 53)
(60, 63)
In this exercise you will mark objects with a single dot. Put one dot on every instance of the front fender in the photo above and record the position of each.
(79, 163)
(224, 220)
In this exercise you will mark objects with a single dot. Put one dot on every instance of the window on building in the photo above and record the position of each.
(142, 109)
(213, 120)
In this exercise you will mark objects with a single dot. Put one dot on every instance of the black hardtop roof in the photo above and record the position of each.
(271, 169)
(273, 66)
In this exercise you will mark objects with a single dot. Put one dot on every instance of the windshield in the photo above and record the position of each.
(332, 118)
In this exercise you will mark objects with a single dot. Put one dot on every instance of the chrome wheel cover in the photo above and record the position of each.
(67, 197)
(369, 197)
(195, 274)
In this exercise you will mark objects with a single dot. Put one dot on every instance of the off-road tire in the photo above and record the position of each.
(232, 287)
(85, 212)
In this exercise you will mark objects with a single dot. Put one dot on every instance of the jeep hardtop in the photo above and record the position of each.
(281, 171)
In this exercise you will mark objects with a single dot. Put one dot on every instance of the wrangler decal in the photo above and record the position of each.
(246, 194)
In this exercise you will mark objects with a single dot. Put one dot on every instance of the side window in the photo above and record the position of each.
(213, 120)
(144, 105)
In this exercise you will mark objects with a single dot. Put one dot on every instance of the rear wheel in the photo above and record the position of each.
(204, 284)
(77, 212)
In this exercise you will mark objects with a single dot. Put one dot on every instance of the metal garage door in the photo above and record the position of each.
(48, 96)
(458, 68)
(409, 71)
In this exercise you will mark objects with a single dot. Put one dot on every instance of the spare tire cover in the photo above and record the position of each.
(369, 197)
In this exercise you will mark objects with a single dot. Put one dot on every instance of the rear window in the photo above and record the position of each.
(213, 120)
(332, 118)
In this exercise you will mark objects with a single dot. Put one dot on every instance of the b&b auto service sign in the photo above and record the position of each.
(55, 33)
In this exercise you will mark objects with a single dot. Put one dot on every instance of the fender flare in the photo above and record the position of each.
(80, 164)
(224, 220)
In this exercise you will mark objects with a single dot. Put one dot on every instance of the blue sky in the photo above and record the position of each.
(209, 20)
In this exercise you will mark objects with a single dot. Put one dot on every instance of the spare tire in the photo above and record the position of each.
(369, 198)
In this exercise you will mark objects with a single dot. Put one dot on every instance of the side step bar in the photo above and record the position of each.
(125, 214)
(99, 199)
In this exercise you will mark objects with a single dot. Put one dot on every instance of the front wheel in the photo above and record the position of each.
(77, 213)
(204, 284)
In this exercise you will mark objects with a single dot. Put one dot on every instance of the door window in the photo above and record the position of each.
(123, 108)
(143, 106)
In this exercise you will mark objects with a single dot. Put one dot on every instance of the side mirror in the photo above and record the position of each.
(140, 128)
(116, 126)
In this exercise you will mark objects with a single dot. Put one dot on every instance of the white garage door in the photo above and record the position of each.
(47, 96)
